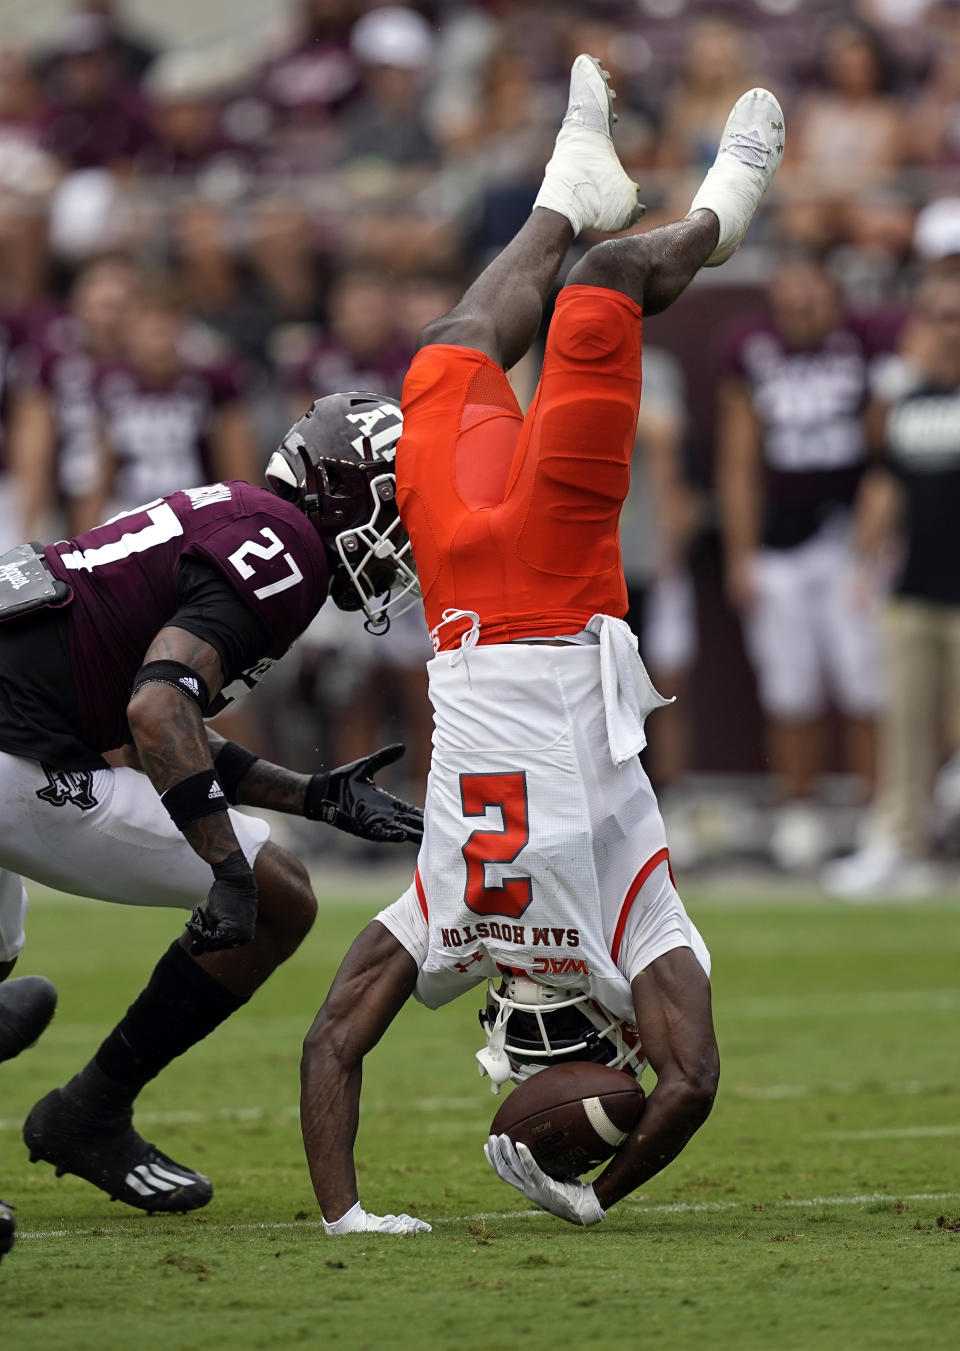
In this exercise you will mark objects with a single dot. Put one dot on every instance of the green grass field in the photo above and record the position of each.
(818, 1208)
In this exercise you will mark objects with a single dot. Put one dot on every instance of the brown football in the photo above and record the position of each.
(571, 1117)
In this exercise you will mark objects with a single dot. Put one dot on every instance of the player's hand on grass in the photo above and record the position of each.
(358, 1221)
(348, 798)
(228, 917)
(573, 1201)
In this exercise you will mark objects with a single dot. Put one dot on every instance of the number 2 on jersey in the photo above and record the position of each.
(508, 792)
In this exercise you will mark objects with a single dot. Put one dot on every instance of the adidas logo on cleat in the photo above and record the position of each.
(149, 1178)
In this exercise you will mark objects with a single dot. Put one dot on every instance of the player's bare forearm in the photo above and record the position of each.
(738, 464)
(171, 739)
(374, 981)
(265, 785)
(672, 1000)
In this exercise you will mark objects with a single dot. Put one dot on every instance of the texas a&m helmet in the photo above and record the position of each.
(529, 1026)
(337, 465)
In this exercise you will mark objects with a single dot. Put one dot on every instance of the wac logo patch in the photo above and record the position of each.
(68, 785)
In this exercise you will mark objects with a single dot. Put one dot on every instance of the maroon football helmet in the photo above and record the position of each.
(337, 465)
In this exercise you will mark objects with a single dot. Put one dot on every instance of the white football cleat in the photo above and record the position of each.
(750, 152)
(584, 180)
(798, 838)
(880, 869)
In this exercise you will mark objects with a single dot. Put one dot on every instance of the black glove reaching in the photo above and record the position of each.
(228, 919)
(348, 798)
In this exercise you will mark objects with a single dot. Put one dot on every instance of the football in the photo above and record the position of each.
(571, 1117)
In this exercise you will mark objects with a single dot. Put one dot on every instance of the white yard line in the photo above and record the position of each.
(669, 1208)
(891, 1133)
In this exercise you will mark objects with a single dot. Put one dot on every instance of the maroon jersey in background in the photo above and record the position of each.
(124, 576)
(810, 404)
(97, 137)
(159, 434)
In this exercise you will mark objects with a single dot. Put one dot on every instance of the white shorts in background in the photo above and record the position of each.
(669, 642)
(812, 639)
(102, 833)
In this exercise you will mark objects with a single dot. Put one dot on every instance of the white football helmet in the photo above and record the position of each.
(530, 1026)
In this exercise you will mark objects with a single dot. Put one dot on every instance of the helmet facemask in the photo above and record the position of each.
(530, 1026)
(376, 572)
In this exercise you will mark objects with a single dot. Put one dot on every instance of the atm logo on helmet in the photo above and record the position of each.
(377, 442)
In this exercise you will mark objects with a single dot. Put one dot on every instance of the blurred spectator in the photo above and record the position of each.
(191, 148)
(913, 496)
(28, 177)
(845, 144)
(94, 120)
(717, 66)
(360, 347)
(394, 48)
(53, 428)
(130, 51)
(791, 449)
(21, 103)
(167, 421)
(935, 120)
(306, 85)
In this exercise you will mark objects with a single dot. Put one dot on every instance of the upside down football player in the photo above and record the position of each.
(134, 632)
(544, 862)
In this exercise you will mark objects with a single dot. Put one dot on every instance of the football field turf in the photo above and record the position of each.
(818, 1208)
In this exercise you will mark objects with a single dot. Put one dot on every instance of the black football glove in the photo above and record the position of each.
(228, 918)
(348, 798)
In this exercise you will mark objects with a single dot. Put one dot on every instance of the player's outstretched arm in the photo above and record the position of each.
(165, 713)
(345, 797)
(375, 980)
(673, 1013)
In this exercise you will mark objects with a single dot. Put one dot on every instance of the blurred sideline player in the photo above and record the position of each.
(133, 633)
(53, 428)
(544, 854)
(166, 419)
(791, 450)
(907, 509)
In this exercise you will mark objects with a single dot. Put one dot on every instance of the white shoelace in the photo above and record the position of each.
(468, 639)
(749, 148)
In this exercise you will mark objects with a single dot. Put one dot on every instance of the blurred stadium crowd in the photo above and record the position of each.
(194, 243)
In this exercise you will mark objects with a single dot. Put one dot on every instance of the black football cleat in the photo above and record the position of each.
(110, 1154)
(8, 1228)
(26, 1006)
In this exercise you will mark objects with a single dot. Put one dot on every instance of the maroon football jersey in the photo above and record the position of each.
(160, 434)
(124, 574)
(810, 404)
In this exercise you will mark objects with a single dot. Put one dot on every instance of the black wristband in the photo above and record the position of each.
(316, 807)
(174, 673)
(193, 798)
(232, 763)
(233, 866)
